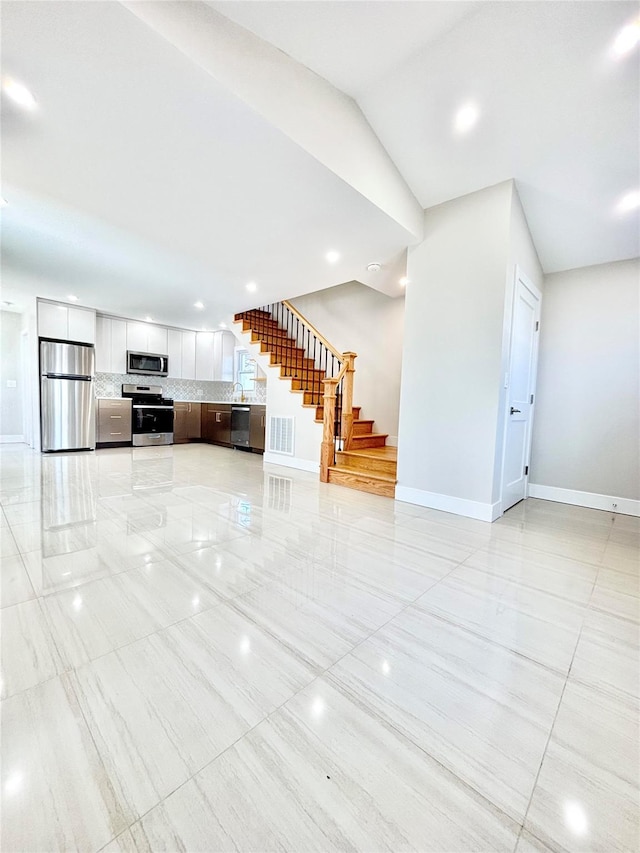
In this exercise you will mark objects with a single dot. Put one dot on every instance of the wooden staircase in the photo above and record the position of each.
(366, 462)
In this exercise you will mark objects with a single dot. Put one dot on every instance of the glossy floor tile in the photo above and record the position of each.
(201, 652)
(481, 710)
(338, 779)
(586, 797)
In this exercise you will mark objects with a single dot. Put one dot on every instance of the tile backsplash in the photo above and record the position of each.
(110, 385)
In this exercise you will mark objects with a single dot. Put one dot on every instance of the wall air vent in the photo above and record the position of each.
(281, 435)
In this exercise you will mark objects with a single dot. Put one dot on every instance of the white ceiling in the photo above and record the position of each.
(558, 113)
(351, 43)
(143, 185)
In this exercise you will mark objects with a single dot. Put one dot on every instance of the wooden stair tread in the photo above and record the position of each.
(386, 452)
(367, 475)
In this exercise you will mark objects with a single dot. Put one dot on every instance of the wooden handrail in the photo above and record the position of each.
(320, 337)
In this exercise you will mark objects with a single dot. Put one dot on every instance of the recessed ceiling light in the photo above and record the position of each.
(72, 298)
(252, 287)
(333, 257)
(198, 305)
(466, 117)
(629, 202)
(375, 267)
(404, 281)
(18, 93)
(627, 39)
(148, 319)
(222, 325)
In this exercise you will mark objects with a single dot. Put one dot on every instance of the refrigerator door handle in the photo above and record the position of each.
(68, 376)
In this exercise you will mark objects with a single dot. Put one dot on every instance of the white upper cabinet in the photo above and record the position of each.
(182, 354)
(223, 350)
(66, 323)
(82, 325)
(137, 337)
(204, 356)
(103, 345)
(157, 339)
(118, 346)
(174, 351)
(188, 355)
(145, 337)
(111, 345)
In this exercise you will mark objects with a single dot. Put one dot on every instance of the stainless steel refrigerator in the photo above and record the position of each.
(67, 406)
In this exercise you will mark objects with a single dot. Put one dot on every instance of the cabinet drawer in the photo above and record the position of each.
(114, 421)
(116, 403)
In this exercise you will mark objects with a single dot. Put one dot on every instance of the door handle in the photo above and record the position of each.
(513, 411)
(114, 417)
(218, 417)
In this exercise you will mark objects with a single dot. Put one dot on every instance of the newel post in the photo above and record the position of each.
(328, 426)
(347, 399)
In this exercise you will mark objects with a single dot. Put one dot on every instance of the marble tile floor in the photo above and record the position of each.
(202, 653)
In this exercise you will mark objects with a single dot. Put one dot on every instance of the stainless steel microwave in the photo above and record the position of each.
(147, 363)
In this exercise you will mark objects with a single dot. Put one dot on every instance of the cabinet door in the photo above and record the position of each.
(208, 422)
(188, 355)
(217, 356)
(118, 346)
(174, 351)
(103, 345)
(157, 339)
(194, 428)
(228, 351)
(180, 424)
(204, 356)
(138, 337)
(257, 427)
(53, 321)
(82, 325)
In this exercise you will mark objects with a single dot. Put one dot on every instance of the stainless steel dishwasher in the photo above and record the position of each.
(240, 425)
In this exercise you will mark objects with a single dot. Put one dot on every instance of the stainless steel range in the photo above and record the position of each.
(152, 418)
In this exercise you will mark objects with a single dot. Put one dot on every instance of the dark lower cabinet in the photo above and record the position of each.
(216, 423)
(257, 425)
(186, 422)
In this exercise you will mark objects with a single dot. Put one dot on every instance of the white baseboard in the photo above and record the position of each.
(11, 439)
(392, 440)
(447, 503)
(292, 462)
(610, 503)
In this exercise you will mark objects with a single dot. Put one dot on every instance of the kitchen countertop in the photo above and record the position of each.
(210, 402)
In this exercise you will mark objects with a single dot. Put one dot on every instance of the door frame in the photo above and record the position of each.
(520, 276)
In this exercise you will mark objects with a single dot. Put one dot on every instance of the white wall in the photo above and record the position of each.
(452, 354)
(356, 318)
(586, 435)
(11, 398)
(282, 403)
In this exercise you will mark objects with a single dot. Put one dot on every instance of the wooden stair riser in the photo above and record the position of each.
(255, 313)
(279, 347)
(361, 482)
(359, 442)
(320, 412)
(298, 362)
(268, 334)
(362, 427)
(354, 462)
(312, 398)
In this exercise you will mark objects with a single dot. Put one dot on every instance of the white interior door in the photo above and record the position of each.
(523, 365)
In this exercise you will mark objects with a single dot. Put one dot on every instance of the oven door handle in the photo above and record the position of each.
(166, 408)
